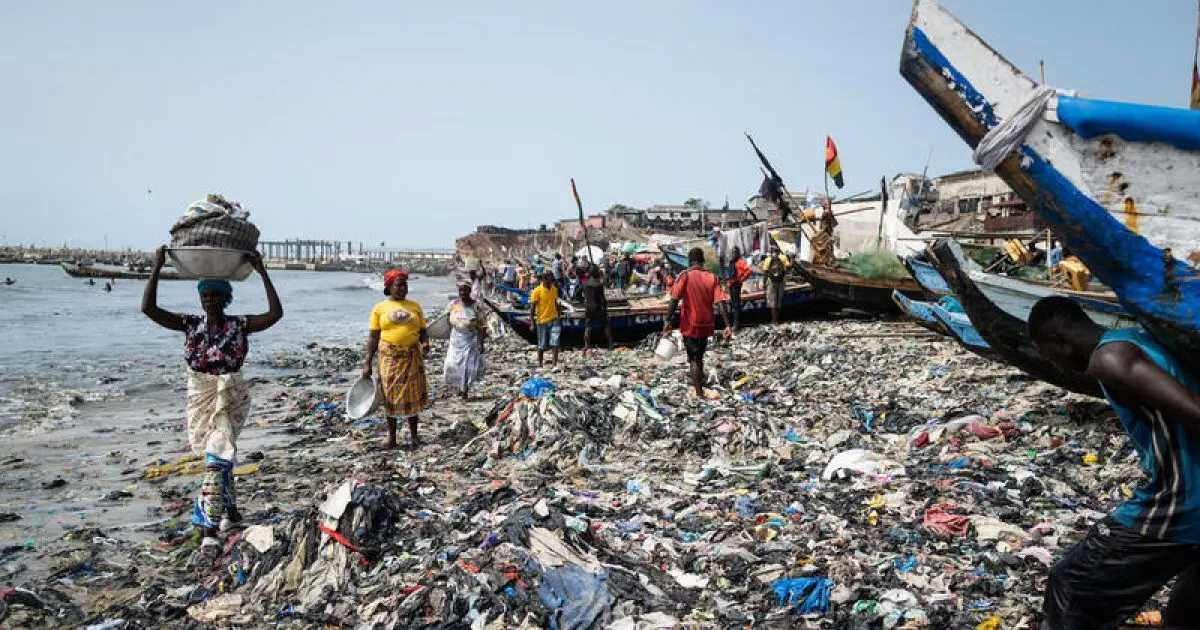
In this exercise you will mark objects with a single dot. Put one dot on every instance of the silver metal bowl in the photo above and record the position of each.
(362, 399)
(216, 263)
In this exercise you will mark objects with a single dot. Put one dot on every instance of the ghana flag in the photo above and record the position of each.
(833, 166)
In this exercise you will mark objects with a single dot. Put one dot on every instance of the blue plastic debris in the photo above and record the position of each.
(906, 565)
(805, 594)
(328, 408)
(745, 507)
(960, 462)
(536, 387)
(865, 416)
(576, 597)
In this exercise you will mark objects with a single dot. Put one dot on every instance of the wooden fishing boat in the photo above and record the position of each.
(1114, 180)
(930, 280)
(644, 317)
(1017, 297)
(1004, 333)
(936, 318)
(98, 272)
(850, 290)
(920, 312)
(964, 332)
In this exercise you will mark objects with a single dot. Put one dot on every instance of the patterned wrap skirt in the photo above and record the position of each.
(402, 379)
(217, 408)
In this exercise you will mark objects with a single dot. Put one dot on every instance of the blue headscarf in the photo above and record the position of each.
(219, 286)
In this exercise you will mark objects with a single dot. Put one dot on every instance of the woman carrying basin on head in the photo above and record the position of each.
(397, 334)
(218, 400)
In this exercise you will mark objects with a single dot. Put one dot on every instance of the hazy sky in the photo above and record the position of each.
(413, 122)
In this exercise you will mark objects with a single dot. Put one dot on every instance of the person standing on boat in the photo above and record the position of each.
(622, 274)
(595, 304)
(1155, 535)
(218, 398)
(775, 268)
(556, 268)
(510, 274)
(464, 364)
(697, 289)
(543, 311)
(397, 334)
(655, 278)
(739, 273)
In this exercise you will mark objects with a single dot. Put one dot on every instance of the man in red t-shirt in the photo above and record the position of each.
(698, 290)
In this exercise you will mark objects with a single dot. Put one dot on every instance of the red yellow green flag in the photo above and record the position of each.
(833, 166)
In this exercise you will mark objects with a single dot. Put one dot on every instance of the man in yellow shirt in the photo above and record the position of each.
(543, 310)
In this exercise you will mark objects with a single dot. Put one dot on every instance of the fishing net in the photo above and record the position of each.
(876, 263)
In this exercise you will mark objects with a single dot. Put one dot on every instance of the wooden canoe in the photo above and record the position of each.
(1116, 181)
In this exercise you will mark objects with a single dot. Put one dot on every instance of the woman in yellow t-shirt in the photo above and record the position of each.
(397, 334)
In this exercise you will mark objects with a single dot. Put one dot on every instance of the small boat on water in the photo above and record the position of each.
(96, 271)
(643, 317)
(1003, 332)
(1114, 180)
(850, 290)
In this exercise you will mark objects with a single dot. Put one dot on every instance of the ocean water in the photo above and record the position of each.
(58, 329)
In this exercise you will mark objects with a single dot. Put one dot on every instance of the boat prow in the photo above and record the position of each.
(1005, 334)
(1110, 178)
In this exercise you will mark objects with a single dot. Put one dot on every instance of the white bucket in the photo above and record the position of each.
(667, 347)
(362, 399)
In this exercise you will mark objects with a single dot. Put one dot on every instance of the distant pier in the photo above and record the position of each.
(325, 255)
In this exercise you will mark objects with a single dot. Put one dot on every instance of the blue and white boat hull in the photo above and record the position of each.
(1117, 182)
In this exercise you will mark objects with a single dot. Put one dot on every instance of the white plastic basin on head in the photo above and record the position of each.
(362, 399)
(211, 262)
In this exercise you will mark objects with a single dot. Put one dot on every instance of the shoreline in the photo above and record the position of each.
(704, 503)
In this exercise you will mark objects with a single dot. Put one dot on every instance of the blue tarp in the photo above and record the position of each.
(578, 599)
(805, 594)
(536, 386)
(1131, 121)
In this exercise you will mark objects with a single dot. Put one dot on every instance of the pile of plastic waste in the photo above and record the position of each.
(841, 478)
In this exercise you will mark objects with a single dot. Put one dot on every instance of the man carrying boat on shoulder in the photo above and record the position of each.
(1154, 536)
(697, 288)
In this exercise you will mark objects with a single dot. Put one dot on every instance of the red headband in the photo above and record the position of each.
(392, 276)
